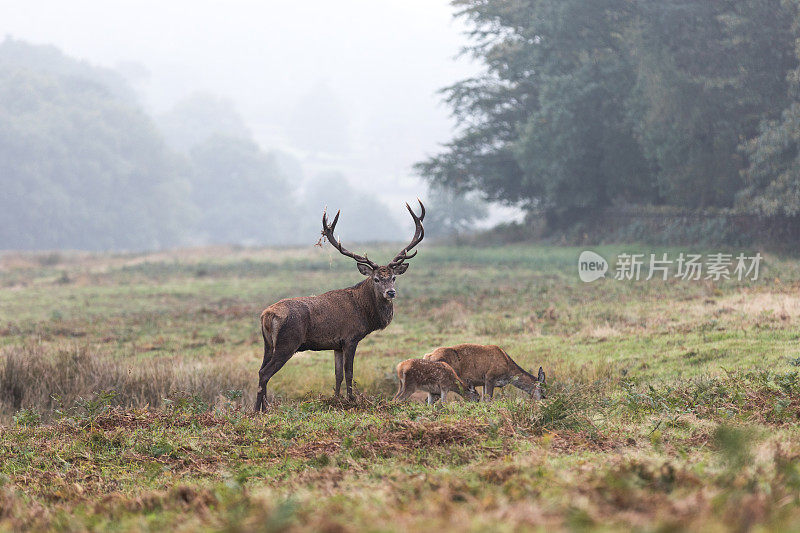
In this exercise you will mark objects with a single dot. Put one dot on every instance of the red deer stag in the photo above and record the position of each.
(336, 320)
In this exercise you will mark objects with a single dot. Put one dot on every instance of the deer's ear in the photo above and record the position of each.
(399, 269)
(364, 269)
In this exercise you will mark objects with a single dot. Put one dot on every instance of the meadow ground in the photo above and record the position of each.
(126, 383)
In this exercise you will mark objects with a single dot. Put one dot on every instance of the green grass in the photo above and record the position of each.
(671, 405)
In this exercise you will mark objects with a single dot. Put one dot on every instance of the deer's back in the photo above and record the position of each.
(425, 373)
(473, 362)
(324, 322)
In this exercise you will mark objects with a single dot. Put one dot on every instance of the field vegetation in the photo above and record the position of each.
(127, 380)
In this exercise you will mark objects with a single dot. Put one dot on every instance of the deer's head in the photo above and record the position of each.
(469, 393)
(382, 278)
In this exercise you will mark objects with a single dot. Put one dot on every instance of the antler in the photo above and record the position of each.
(327, 232)
(419, 233)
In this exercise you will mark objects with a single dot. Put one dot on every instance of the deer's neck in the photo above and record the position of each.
(523, 380)
(379, 311)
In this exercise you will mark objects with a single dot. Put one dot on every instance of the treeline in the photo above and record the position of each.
(84, 166)
(586, 105)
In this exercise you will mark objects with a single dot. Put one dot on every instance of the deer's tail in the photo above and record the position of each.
(270, 325)
(402, 387)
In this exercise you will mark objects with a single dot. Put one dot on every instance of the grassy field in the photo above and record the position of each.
(126, 383)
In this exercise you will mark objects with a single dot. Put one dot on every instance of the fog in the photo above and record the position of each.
(347, 87)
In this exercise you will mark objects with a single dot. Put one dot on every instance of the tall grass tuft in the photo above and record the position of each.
(35, 380)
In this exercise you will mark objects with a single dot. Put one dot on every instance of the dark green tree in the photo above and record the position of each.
(772, 177)
(546, 126)
(707, 73)
(588, 104)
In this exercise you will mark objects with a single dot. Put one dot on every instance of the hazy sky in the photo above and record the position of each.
(347, 85)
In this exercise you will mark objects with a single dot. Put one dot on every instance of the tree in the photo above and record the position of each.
(707, 74)
(451, 213)
(772, 178)
(81, 165)
(546, 127)
(590, 104)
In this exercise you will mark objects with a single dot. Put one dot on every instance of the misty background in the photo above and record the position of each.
(140, 125)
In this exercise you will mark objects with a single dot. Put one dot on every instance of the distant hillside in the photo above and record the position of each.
(83, 166)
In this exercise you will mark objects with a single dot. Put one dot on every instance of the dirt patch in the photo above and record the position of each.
(400, 436)
(569, 442)
(326, 478)
(316, 449)
(413, 434)
(120, 418)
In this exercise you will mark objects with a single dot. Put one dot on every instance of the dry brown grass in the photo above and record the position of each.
(31, 378)
(601, 331)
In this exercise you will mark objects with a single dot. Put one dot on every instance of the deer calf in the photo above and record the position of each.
(488, 366)
(435, 378)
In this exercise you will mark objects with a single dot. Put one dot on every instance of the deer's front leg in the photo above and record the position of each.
(349, 355)
(338, 361)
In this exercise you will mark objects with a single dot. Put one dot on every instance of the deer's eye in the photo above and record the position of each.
(377, 280)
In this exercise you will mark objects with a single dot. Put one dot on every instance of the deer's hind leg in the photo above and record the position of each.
(265, 374)
(401, 388)
(405, 391)
(284, 346)
(262, 390)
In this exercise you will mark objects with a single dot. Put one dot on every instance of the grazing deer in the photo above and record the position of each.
(336, 320)
(489, 366)
(435, 378)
